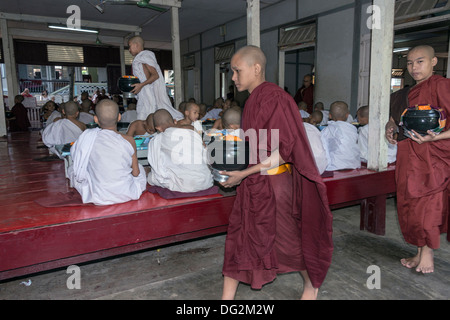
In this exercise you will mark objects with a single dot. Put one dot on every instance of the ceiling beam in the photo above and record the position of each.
(84, 23)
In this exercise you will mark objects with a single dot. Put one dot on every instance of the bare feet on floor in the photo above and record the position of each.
(309, 293)
(423, 261)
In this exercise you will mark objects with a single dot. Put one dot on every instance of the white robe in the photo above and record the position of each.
(363, 144)
(178, 161)
(325, 118)
(101, 169)
(152, 96)
(314, 137)
(212, 114)
(129, 116)
(55, 114)
(86, 117)
(340, 141)
(60, 132)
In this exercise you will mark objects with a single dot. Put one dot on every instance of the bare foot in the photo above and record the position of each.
(426, 264)
(309, 293)
(413, 261)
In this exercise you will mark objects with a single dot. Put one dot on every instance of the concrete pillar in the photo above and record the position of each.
(176, 57)
(253, 24)
(10, 61)
(380, 80)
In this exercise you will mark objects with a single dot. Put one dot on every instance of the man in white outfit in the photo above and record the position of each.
(151, 91)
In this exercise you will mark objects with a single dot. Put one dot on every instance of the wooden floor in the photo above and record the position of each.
(192, 269)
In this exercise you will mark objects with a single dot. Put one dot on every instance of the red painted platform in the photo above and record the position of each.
(34, 238)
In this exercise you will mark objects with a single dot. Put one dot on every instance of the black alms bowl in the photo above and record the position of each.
(125, 83)
(421, 120)
(228, 156)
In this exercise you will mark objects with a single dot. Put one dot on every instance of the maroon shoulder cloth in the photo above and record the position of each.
(252, 242)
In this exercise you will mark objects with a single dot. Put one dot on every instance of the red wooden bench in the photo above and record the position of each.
(35, 238)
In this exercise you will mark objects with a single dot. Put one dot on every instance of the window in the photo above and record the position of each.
(69, 54)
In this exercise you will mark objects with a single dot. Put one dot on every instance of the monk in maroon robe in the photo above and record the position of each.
(306, 93)
(281, 221)
(423, 163)
(20, 122)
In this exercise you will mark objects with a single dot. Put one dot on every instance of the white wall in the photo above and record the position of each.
(334, 45)
(334, 58)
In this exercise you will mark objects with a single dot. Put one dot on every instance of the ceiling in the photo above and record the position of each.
(195, 16)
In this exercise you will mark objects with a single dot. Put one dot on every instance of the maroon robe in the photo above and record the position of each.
(307, 95)
(423, 173)
(279, 223)
(21, 121)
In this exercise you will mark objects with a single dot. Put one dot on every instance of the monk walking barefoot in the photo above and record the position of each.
(281, 221)
(423, 161)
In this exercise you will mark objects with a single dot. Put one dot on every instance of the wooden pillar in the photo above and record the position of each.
(380, 81)
(3, 130)
(176, 57)
(10, 62)
(253, 25)
(448, 59)
(122, 59)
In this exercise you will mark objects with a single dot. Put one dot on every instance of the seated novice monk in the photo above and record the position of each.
(64, 130)
(363, 137)
(315, 140)
(302, 106)
(20, 122)
(85, 116)
(130, 115)
(231, 121)
(141, 127)
(50, 112)
(215, 110)
(105, 167)
(177, 157)
(340, 139)
(191, 114)
(325, 113)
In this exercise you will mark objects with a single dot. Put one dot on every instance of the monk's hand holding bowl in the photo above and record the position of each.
(421, 139)
(235, 178)
(137, 87)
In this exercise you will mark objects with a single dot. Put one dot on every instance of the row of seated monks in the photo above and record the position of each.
(339, 144)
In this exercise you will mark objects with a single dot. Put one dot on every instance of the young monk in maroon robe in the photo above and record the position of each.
(423, 163)
(306, 93)
(281, 221)
(21, 121)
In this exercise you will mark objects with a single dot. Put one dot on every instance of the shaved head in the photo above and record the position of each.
(249, 68)
(339, 111)
(425, 49)
(231, 116)
(253, 55)
(138, 40)
(107, 112)
(71, 108)
(149, 122)
(420, 62)
(162, 120)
